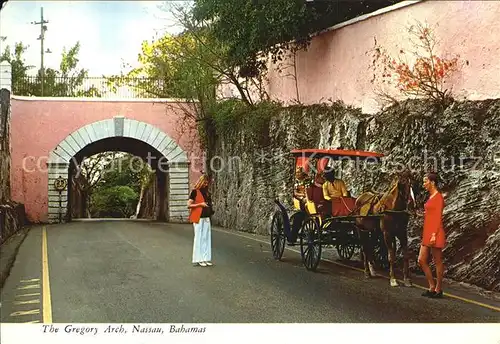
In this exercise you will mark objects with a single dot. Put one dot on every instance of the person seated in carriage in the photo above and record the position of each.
(299, 190)
(315, 194)
(299, 193)
(319, 180)
(333, 188)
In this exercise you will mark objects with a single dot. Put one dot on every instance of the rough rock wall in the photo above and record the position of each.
(462, 142)
(4, 145)
(12, 219)
(12, 215)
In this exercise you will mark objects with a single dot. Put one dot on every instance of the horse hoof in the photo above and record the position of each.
(408, 283)
(394, 283)
(367, 275)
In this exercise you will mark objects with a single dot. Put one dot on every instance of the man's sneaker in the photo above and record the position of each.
(203, 264)
(208, 263)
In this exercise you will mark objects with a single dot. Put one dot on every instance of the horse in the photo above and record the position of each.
(392, 206)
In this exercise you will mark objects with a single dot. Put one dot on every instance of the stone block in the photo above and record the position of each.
(118, 125)
(180, 186)
(164, 144)
(68, 149)
(177, 154)
(152, 136)
(145, 134)
(84, 132)
(139, 130)
(72, 140)
(158, 140)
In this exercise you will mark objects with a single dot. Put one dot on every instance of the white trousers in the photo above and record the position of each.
(202, 244)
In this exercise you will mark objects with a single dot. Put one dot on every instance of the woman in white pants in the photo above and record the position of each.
(200, 206)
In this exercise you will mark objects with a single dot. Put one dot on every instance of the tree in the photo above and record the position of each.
(108, 174)
(115, 201)
(191, 65)
(254, 29)
(179, 65)
(18, 63)
(420, 73)
(187, 66)
(145, 180)
(94, 167)
(68, 81)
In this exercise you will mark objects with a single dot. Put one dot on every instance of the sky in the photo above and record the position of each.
(110, 32)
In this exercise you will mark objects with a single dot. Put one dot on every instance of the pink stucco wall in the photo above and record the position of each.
(336, 65)
(40, 124)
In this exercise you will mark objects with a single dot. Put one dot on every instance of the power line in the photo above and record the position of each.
(43, 28)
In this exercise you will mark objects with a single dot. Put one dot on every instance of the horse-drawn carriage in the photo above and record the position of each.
(369, 222)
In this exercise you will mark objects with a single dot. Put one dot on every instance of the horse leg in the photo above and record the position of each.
(392, 254)
(365, 264)
(403, 239)
(391, 249)
(370, 249)
(370, 246)
(364, 249)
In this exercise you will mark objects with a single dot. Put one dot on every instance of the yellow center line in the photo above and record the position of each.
(47, 304)
(361, 270)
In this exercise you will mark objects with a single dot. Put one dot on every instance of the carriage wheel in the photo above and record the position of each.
(310, 244)
(277, 235)
(345, 251)
(347, 243)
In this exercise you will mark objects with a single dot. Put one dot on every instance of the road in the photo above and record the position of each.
(140, 272)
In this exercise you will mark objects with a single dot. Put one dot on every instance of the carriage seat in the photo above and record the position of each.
(343, 206)
(315, 194)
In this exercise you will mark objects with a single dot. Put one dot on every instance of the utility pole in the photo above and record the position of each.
(43, 28)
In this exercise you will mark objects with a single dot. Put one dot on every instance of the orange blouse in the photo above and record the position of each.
(195, 213)
(433, 221)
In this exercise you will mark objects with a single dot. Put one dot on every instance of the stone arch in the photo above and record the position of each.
(119, 126)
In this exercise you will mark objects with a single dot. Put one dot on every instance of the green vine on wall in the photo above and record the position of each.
(233, 118)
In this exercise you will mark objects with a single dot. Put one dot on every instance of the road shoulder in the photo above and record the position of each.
(8, 253)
